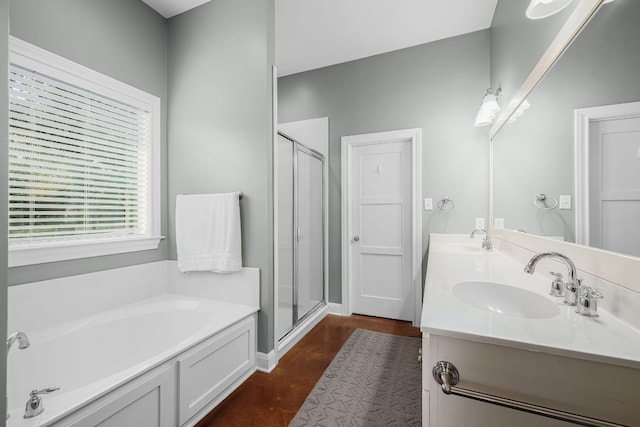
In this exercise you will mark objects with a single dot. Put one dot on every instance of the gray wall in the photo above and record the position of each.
(123, 39)
(536, 153)
(436, 87)
(4, 133)
(220, 123)
(220, 116)
(517, 43)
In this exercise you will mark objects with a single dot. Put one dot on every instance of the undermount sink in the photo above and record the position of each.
(506, 300)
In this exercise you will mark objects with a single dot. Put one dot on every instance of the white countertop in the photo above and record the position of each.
(456, 258)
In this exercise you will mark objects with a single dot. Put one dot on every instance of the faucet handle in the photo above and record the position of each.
(34, 406)
(557, 286)
(588, 292)
(44, 391)
(588, 302)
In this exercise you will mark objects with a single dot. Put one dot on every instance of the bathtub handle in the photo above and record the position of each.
(45, 391)
(34, 406)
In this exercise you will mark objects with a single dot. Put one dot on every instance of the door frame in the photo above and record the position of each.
(583, 117)
(414, 136)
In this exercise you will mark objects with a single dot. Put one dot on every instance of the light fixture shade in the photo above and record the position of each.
(519, 111)
(542, 8)
(488, 110)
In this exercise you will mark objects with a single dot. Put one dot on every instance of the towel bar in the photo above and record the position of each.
(446, 201)
(447, 375)
(540, 198)
(240, 196)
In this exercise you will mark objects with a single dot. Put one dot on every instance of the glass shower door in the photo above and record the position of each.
(300, 233)
(308, 239)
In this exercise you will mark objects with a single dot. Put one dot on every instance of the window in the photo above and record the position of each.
(83, 161)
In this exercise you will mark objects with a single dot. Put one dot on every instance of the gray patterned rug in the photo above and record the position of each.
(374, 380)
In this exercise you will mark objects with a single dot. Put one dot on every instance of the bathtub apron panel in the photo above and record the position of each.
(144, 402)
(207, 373)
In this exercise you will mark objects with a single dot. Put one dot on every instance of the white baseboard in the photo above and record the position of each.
(266, 362)
(335, 308)
(302, 330)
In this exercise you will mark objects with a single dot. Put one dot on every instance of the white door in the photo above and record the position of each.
(614, 185)
(380, 220)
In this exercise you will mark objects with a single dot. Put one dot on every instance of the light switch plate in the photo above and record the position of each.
(428, 204)
(499, 222)
(479, 223)
(565, 202)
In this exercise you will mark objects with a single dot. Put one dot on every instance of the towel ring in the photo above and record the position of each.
(442, 204)
(541, 198)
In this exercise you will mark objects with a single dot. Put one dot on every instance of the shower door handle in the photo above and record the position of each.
(356, 238)
(298, 234)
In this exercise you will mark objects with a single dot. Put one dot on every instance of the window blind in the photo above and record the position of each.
(79, 162)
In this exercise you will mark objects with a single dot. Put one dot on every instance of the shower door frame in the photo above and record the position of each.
(298, 146)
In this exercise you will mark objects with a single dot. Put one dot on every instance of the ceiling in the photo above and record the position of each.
(169, 8)
(312, 34)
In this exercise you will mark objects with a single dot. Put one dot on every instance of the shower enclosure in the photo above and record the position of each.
(300, 233)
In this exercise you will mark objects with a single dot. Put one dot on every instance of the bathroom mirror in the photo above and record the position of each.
(536, 154)
(518, 43)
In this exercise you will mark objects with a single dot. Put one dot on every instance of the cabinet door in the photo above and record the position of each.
(592, 389)
(147, 401)
(210, 371)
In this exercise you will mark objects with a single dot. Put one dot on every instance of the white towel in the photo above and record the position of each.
(208, 232)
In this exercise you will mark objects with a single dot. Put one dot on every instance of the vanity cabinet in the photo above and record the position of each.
(598, 390)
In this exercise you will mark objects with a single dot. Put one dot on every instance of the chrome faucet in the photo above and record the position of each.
(572, 286)
(486, 243)
(21, 337)
(23, 342)
(34, 406)
(588, 302)
(478, 230)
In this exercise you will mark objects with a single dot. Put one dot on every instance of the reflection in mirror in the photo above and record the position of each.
(517, 43)
(536, 154)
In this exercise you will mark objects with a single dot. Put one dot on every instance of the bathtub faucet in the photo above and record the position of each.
(34, 406)
(23, 342)
(572, 286)
(21, 337)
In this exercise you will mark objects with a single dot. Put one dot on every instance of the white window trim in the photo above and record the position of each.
(28, 55)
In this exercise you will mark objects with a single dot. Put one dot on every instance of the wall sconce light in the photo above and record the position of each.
(539, 9)
(489, 108)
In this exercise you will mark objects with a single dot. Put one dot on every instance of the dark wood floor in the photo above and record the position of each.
(272, 400)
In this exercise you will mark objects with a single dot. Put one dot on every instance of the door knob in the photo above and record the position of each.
(356, 238)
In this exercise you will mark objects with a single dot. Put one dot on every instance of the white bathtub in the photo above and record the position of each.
(89, 357)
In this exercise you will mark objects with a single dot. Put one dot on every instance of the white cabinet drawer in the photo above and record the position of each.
(208, 370)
